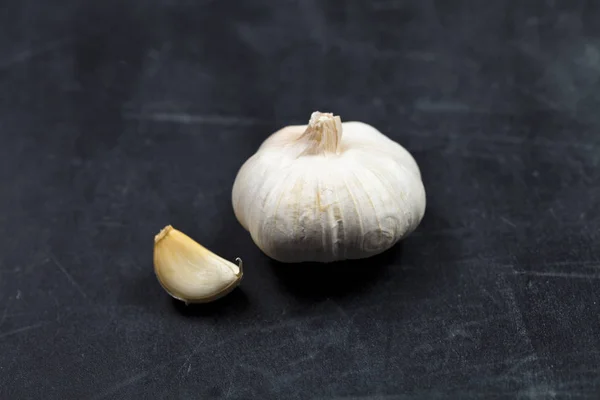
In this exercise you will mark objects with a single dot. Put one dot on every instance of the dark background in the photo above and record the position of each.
(121, 117)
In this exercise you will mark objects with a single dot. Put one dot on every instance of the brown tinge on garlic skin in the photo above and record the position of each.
(328, 191)
(189, 272)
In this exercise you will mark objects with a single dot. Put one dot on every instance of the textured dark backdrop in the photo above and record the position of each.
(121, 117)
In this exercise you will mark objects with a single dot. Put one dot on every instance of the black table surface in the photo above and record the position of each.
(120, 117)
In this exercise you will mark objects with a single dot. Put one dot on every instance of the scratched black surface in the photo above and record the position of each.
(121, 117)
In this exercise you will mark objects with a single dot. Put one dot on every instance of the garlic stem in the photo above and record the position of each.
(323, 134)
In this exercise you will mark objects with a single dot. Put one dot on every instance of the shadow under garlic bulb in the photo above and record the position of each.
(328, 191)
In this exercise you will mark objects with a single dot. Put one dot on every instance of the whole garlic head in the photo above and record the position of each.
(328, 191)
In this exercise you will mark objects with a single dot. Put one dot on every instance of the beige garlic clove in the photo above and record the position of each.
(189, 272)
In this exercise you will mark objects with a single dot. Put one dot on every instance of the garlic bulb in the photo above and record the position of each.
(189, 272)
(328, 191)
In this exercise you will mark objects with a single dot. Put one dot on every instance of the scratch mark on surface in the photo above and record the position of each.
(425, 348)
(350, 372)
(467, 154)
(4, 314)
(263, 371)
(276, 326)
(69, 277)
(519, 363)
(515, 311)
(23, 329)
(568, 275)
(589, 263)
(517, 317)
(189, 119)
(115, 388)
(552, 105)
(451, 232)
(433, 13)
(57, 307)
(387, 349)
(25, 55)
(204, 348)
(319, 31)
(187, 362)
(343, 313)
(110, 224)
(365, 397)
(477, 322)
(308, 357)
(508, 140)
(421, 56)
(231, 381)
(459, 332)
(539, 392)
(475, 366)
(387, 5)
(508, 222)
(349, 324)
(441, 106)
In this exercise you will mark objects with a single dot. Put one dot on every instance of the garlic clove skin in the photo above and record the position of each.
(328, 191)
(189, 272)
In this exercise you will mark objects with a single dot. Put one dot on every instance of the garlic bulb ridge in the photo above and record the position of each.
(328, 191)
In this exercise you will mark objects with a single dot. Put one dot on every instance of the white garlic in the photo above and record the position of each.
(189, 272)
(313, 193)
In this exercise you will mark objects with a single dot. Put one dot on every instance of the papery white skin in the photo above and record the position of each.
(190, 272)
(328, 191)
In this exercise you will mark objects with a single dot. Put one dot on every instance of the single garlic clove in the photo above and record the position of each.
(189, 272)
